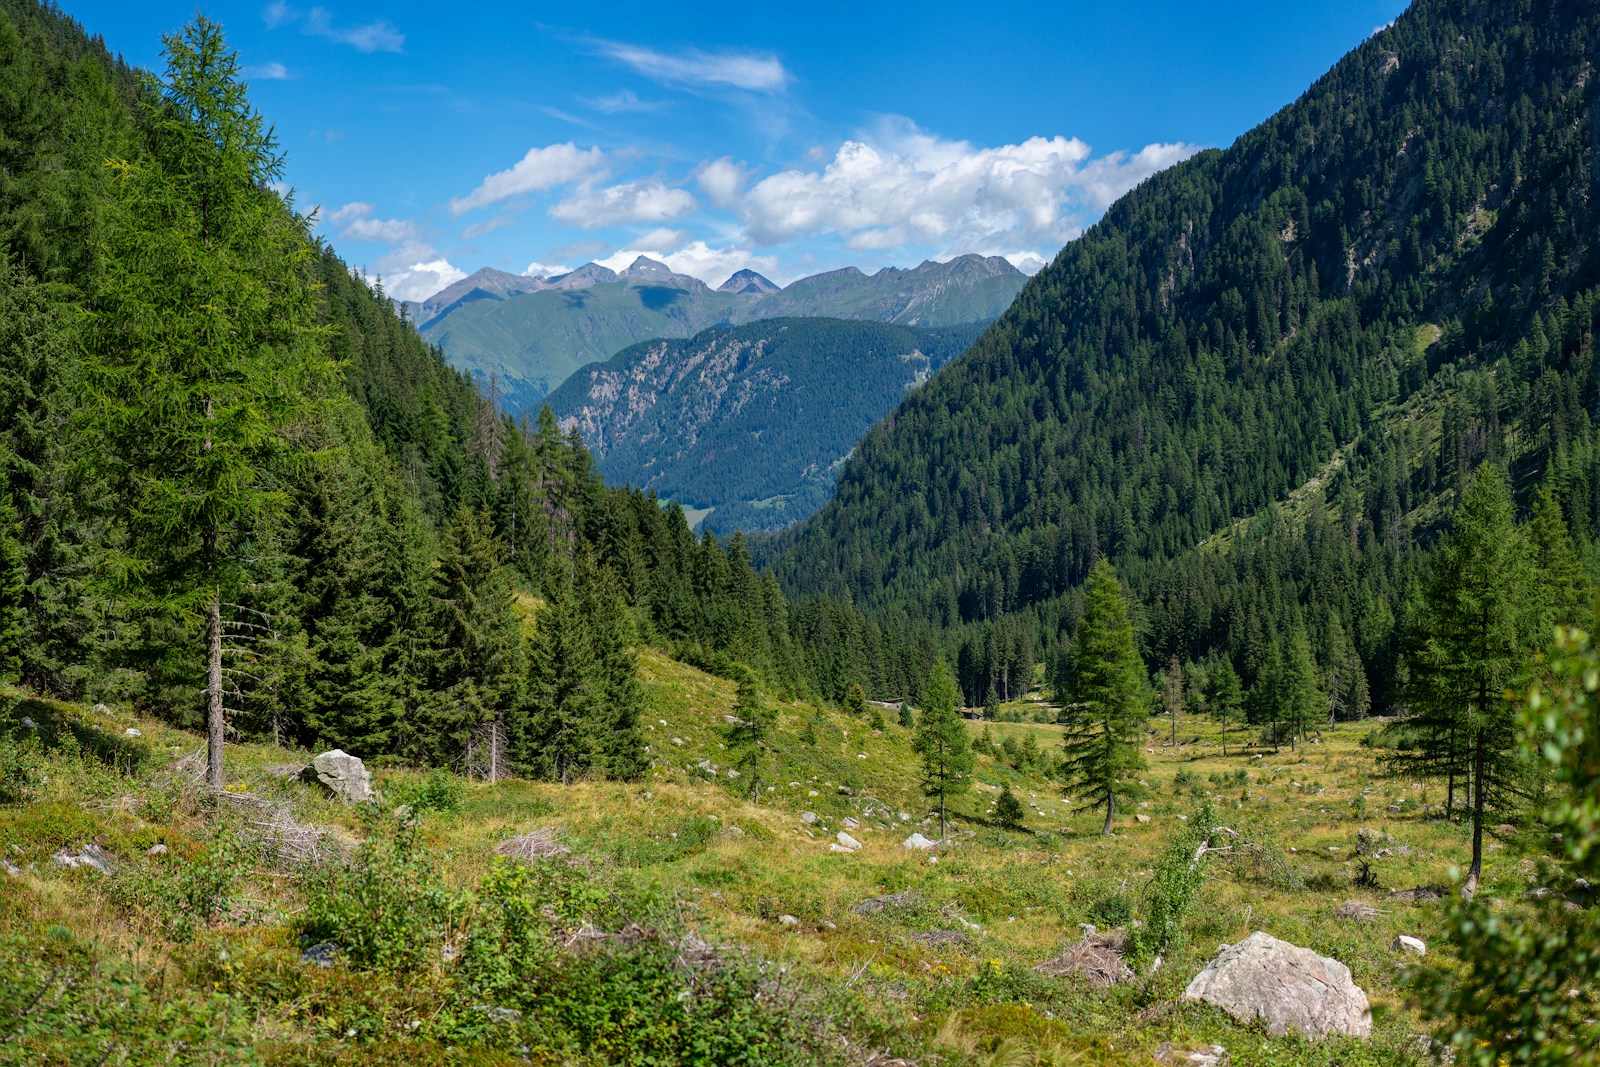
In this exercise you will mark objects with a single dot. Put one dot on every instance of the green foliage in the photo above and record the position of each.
(1170, 894)
(855, 701)
(385, 909)
(1008, 810)
(439, 791)
(941, 741)
(1107, 708)
(1517, 996)
(748, 737)
(20, 761)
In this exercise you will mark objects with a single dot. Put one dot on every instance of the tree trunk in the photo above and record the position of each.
(941, 812)
(1111, 811)
(1450, 782)
(1475, 872)
(214, 715)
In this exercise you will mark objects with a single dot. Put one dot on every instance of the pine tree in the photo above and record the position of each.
(1480, 620)
(1108, 710)
(1564, 585)
(619, 744)
(13, 581)
(1226, 697)
(941, 740)
(855, 701)
(907, 720)
(747, 737)
(553, 737)
(1172, 693)
(1008, 809)
(208, 356)
(1304, 701)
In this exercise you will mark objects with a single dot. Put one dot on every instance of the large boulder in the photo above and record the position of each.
(342, 774)
(1285, 986)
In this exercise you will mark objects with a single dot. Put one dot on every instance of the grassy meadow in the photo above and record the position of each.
(155, 960)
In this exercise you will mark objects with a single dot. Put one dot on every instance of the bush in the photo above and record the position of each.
(1113, 909)
(1008, 810)
(386, 908)
(440, 791)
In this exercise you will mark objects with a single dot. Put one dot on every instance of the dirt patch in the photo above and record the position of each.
(530, 848)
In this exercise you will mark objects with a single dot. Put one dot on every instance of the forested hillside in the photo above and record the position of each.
(235, 487)
(749, 421)
(1261, 382)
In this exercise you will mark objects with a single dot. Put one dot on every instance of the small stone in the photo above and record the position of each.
(813, 793)
(677, 740)
(850, 824)
(733, 720)
(847, 841)
(28, 723)
(904, 816)
(788, 920)
(1406, 943)
(156, 850)
(100, 709)
(1141, 818)
(834, 846)
(12, 869)
(131, 732)
(917, 841)
(808, 817)
(321, 954)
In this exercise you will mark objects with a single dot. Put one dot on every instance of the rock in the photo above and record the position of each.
(788, 920)
(733, 720)
(1369, 841)
(90, 855)
(808, 817)
(131, 732)
(342, 774)
(850, 824)
(1141, 818)
(1285, 986)
(917, 841)
(733, 831)
(834, 846)
(100, 709)
(499, 1015)
(1209, 1056)
(28, 723)
(321, 954)
(1419, 894)
(1406, 943)
(873, 905)
(156, 850)
(940, 938)
(12, 869)
(847, 841)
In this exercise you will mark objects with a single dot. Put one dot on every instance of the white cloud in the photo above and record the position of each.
(697, 259)
(478, 229)
(419, 280)
(545, 270)
(903, 186)
(721, 180)
(622, 102)
(1379, 29)
(755, 71)
(662, 237)
(356, 223)
(539, 170)
(270, 72)
(376, 36)
(631, 202)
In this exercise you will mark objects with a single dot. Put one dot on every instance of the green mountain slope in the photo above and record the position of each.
(531, 342)
(1388, 282)
(751, 421)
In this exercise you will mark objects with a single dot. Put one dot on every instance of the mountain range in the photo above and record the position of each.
(749, 421)
(529, 334)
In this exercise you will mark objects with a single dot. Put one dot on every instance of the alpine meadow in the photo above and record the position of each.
(1159, 628)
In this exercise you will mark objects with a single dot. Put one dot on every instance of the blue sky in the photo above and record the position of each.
(435, 138)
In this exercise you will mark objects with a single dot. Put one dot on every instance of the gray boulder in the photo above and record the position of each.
(1285, 986)
(847, 841)
(342, 774)
(917, 841)
(90, 855)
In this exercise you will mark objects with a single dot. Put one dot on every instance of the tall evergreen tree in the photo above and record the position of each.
(553, 736)
(1564, 585)
(208, 356)
(1304, 701)
(1226, 697)
(619, 744)
(1108, 707)
(749, 735)
(13, 581)
(941, 740)
(1480, 621)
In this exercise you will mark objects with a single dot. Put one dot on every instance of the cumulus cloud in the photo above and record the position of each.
(540, 170)
(697, 259)
(721, 180)
(416, 277)
(356, 222)
(903, 186)
(270, 72)
(545, 270)
(691, 68)
(631, 202)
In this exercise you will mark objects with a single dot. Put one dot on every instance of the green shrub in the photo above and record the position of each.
(440, 791)
(1008, 810)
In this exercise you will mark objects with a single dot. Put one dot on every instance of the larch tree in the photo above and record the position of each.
(941, 740)
(1480, 622)
(1108, 709)
(209, 368)
(1226, 697)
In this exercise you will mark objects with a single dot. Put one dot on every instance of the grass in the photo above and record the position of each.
(696, 854)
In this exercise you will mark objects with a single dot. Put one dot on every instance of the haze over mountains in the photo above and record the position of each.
(530, 334)
(749, 421)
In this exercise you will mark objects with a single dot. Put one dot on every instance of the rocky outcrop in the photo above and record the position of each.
(1285, 986)
(342, 774)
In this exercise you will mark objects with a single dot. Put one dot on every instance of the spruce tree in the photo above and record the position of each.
(1479, 623)
(208, 359)
(619, 743)
(1008, 809)
(855, 701)
(748, 736)
(13, 581)
(1564, 586)
(1106, 717)
(1226, 697)
(941, 740)
(1304, 701)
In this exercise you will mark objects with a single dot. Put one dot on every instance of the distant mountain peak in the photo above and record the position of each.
(748, 282)
(590, 274)
(644, 266)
